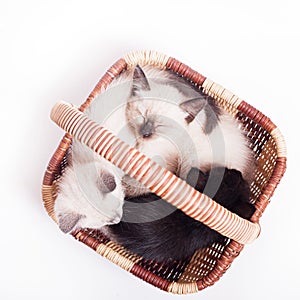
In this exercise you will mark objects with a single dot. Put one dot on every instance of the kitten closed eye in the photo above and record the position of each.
(147, 129)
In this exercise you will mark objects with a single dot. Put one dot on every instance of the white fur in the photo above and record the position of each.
(186, 142)
(78, 193)
(225, 146)
(176, 145)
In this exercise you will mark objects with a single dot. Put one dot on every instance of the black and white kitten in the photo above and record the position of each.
(155, 230)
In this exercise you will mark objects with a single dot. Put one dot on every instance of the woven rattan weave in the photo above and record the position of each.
(207, 265)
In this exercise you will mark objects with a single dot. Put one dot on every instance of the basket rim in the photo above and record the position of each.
(212, 89)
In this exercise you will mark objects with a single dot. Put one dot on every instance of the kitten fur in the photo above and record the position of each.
(184, 122)
(90, 193)
(155, 230)
(178, 125)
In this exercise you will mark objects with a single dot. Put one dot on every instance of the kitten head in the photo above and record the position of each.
(165, 94)
(160, 110)
(152, 104)
(90, 193)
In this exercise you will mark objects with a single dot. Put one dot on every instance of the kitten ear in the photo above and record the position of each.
(68, 221)
(193, 107)
(140, 81)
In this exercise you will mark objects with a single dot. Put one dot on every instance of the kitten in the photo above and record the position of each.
(155, 230)
(90, 194)
(175, 123)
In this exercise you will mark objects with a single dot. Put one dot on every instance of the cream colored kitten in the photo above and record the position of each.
(90, 189)
(181, 127)
(90, 192)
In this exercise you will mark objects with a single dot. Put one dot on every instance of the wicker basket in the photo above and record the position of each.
(207, 265)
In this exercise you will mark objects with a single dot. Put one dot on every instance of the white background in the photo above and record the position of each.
(57, 50)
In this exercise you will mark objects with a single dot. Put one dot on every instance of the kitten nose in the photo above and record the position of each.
(107, 183)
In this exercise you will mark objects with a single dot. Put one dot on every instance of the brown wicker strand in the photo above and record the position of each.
(87, 239)
(269, 189)
(178, 67)
(150, 277)
(54, 164)
(105, 81)
(230, 253)
(256, 116)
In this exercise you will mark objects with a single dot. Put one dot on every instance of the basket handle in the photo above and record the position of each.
(156, 178)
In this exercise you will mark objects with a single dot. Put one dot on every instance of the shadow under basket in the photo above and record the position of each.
(206, 266)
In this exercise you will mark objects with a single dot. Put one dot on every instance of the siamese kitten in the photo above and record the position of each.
(90, 194)
(155, 230)
(175, 123)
